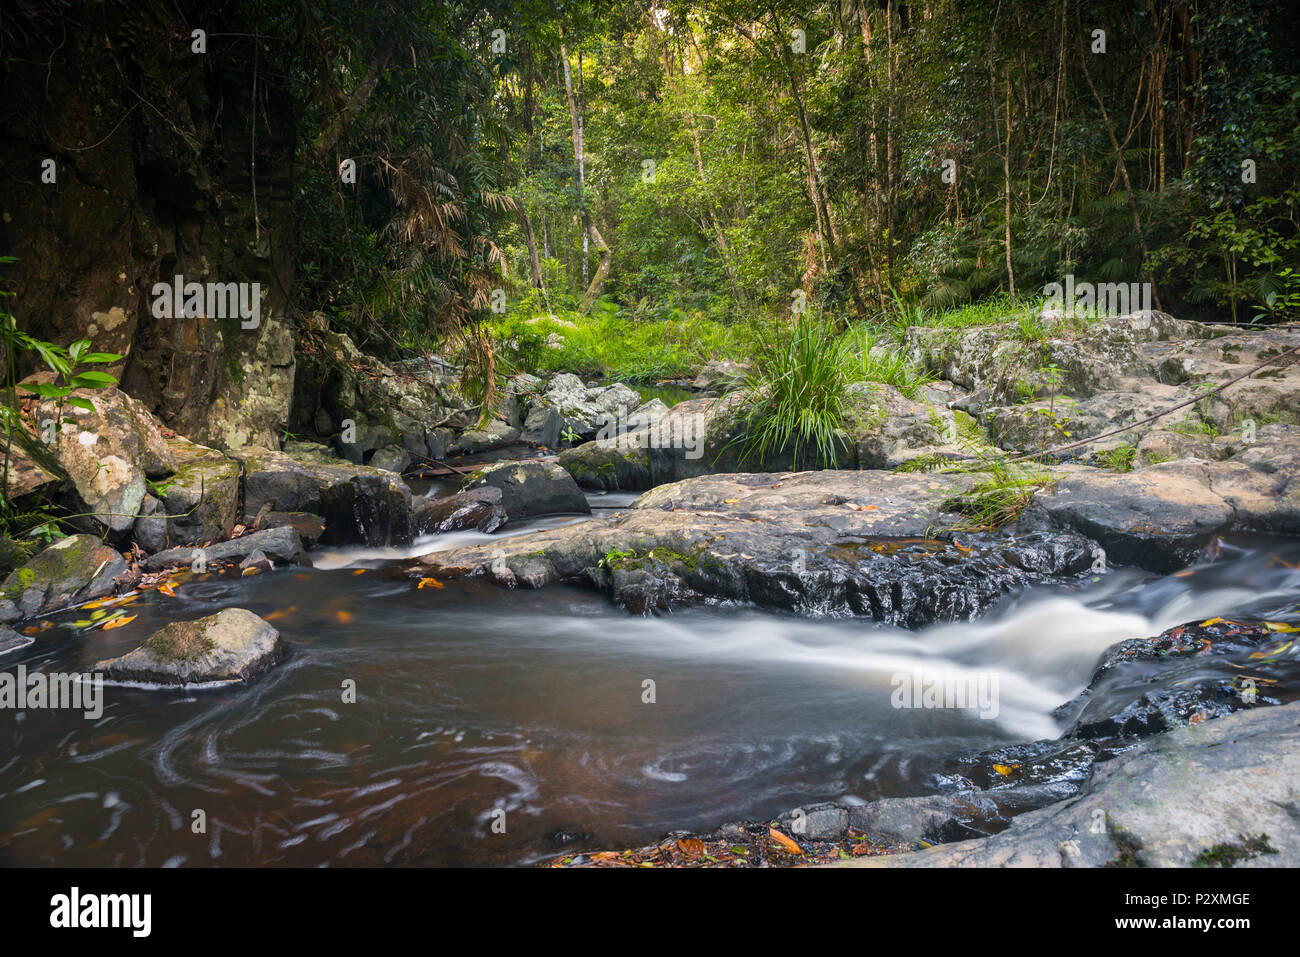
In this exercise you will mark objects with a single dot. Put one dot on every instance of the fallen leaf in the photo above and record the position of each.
(785, 842)
(1280, 626)
(359, 571)
(343, 616)
(730, 501)
(168, 589)
(119, 622)
(429, 583)
(1005, 768)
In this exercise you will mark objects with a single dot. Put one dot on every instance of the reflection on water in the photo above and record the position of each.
(473, 699)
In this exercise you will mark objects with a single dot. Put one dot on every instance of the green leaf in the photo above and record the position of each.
(92, 380)
(46, 390)
(91, 357)
(79, 403)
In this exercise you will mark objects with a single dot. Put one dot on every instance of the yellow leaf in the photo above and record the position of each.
(1215, 621)
(429, 583)
(119, 622)
(1005, 768)
(1280, 626)
(730, 501)
(168, 589)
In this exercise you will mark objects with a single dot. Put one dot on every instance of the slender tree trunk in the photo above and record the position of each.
(602, 271)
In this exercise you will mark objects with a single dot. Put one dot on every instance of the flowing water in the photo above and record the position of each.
(472, 699)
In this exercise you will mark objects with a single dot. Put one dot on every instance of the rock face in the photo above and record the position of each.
(199, 501)
(360, 505)
(230, 646)
(890, 429)
(479, 509)
(530, 488)
(74, 569)
(1160, 515)
(107, 453)
(383, 405)
(819, 543)
(1222, 792)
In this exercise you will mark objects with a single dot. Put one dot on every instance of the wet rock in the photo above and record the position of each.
(1197, 795)
(309, 527)
(479, 509)
(530, 488)
(1160, 516)
(1190, 673)
(818, 543)
(230, 646)
(254, 562)
(11, 640)
(72, 570)
(282, 544)
(818, 822)
(360, 505)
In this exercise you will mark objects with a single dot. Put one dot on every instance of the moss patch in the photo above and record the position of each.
(180, 641)
(1226, 855)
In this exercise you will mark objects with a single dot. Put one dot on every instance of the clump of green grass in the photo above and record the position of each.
(1004, 484)
(795, 396)
(869, 360)
(1118, 459)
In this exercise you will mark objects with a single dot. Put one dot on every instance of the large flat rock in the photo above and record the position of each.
(819, 543)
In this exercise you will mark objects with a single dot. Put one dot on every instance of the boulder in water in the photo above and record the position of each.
(232, 645)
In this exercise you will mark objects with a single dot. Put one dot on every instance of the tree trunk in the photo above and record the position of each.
(575, 117)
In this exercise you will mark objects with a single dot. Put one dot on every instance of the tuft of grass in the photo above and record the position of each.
(1003, 487)
(870, 360)
(795, 396)
(1118, 459)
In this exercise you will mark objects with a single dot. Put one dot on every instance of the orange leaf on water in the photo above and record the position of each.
(343, 616)
(429, 583)
(119, 622)
(168, 589)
